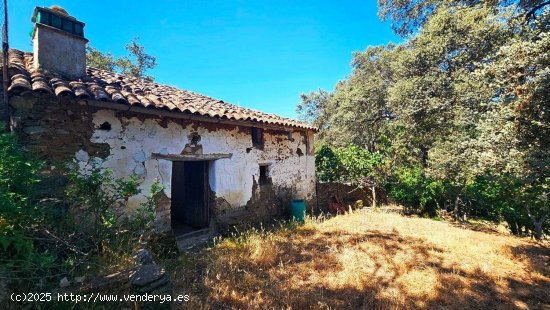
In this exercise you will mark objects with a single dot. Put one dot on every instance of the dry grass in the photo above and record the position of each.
(368, 260)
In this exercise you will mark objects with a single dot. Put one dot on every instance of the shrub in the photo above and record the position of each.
(95, 192)
(115, 232)
(414, 191)
(352, 164)
(22, 215)
(503, 197)
(327, 165)
(40, 242)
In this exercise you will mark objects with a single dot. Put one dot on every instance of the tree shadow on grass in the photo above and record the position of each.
(480, 227)
(537, 258)
(313, 269)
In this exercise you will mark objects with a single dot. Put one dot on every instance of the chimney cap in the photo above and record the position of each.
(54, 10)
(57, 18)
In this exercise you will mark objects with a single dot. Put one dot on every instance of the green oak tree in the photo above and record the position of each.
(459, 108)
(135, 64)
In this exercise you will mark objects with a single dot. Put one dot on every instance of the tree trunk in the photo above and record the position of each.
(373, 189)
(457, 207)
(538, 234)
(424, 159)
(514, 227)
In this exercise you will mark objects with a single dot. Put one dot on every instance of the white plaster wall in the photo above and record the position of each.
(132, 142)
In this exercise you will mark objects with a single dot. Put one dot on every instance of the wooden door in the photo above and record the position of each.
(190, 194)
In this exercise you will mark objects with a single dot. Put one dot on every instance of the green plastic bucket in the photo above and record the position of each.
(298, 210)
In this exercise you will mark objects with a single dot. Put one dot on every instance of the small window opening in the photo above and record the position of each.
(264, 175)
(105, 126)
(195, 138)
(257, 137)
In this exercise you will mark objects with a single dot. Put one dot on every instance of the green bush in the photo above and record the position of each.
(359, 165)
(354, 165)
(503, 197)
(23, 216)
(495, 198)
(327, 165)
(43, 239)
(491, 197)
(347, 164)
(414, 191)
(96, 192)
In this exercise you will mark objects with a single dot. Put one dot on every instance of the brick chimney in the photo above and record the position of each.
(59, 45)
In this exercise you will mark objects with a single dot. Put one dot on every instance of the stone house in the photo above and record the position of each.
(218, 163)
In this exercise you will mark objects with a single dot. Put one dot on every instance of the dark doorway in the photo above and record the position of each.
(189, 210)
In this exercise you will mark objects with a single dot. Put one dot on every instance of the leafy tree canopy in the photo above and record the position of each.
(460, 109)
(135, 64)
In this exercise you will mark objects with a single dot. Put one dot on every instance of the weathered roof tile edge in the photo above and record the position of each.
(108, 87)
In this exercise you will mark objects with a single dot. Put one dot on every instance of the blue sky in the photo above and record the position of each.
(256, 54)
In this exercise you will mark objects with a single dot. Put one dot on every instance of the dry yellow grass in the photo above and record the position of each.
(368, 260)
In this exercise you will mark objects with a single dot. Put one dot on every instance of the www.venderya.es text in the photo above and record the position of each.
(96, 297)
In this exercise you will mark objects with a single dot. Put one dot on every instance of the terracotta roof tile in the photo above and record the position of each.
(108, 86)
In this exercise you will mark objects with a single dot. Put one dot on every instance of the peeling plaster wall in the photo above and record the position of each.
(132, 141)
(64, 131)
